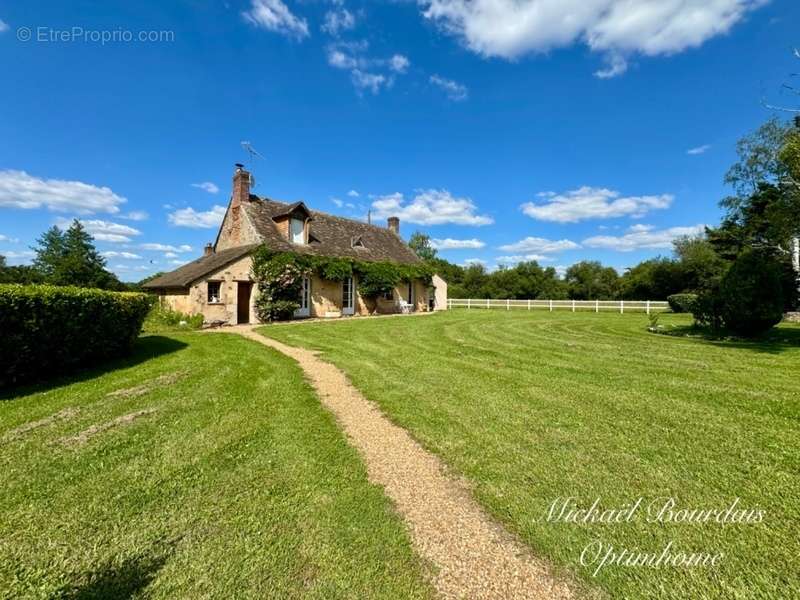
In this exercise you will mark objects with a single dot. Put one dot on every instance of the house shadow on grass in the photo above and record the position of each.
(146, 348)
(119, 581)
(775, 341)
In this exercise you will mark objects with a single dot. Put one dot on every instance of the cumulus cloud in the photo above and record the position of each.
(454, 90)
(699, 150)
(135, 215)
(353, 194)
(20, 190)
(641, 237)
(518, 258)
(17, 255)
(451, 244)
(430, 207)
(338, 20)
(207, 186)
(166, 247)
(115, 254)
(592, 203)
(103, 231)
(615, 28)
(5, 238)
(369, 81)
(537, 245)
(189, 217)
(399, 63)
(275, 16)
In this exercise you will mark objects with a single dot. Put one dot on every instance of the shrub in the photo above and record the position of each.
(49, 330)
(752, 295)
(375, 279)
(682, 303)
(161, 317)
(707, 309)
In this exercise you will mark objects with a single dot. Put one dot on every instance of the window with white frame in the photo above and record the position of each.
(214, 288)
(297, 231)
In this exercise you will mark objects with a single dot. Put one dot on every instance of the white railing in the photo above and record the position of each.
(620, 306)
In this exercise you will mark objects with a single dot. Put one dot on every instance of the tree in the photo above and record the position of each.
(699, 262)
(653, 279)
(421, 245)
(70, 258)
(590, 280)
(759, 161)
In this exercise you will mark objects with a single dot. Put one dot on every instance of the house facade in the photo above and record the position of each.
(219, 284)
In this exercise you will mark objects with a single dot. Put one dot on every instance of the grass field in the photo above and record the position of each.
(237, 485)
(531, 407)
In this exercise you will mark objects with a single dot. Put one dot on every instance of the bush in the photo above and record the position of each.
(161, 317)
(707, 309)
(682, 303)
(752, 295)
(49, 330)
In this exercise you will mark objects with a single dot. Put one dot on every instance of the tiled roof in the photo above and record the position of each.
(329, 235)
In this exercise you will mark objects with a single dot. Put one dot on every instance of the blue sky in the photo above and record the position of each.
(563, 130)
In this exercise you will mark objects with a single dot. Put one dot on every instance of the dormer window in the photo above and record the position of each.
(297, 232)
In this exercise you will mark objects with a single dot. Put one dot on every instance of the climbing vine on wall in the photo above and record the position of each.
(280, 274)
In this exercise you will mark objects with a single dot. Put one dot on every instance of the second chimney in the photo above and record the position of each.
(208, 250)
(394, 224)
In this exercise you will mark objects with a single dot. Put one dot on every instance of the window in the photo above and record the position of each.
(297, 231)
(388, 295)
(214, 292)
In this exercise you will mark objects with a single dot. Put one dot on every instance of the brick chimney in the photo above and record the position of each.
(394, 224)
(241, 186)
(208, 250)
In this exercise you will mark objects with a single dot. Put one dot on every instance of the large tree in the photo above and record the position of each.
(422, 246)
(590, 280)
(70, 258)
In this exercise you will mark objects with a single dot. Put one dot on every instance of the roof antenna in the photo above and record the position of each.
(369, 217)
(253, 154)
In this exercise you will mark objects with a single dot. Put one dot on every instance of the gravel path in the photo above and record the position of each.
(474, 556)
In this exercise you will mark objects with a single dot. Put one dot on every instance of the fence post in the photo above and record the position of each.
(529, 303)
(551, 306)
(648, 307)
(469, 303)
(621, 306)
(597, 306)
(508, 303)
(488, 304)
(573, 306)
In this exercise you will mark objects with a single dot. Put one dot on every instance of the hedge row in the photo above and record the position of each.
(48, 330)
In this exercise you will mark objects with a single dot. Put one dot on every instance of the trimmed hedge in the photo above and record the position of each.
(48, 330)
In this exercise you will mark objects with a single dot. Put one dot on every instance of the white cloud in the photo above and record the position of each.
(20, 190)
(642, 237)
(430, 207)
(135, 215)
(207, 186)
(115, 254)
(166, 247)
(451, 244)
(341, 60)
(170, 255)
(17, 255)
(5, 238)
(615, 65)
(399, 63)
(593, 203)
(518, 258)
(3, 26)
(615, 28)
(275, 16)
(337, 202)
(369, 81)
(537, 245)
(353, 194)
(454, 90)
(189, 217)
(103, 231)
(338, 20)
(474, 261)
(699, 150)
(131, 268)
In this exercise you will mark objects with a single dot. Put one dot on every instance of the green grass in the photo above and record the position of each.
(238, 486)
(531, 407)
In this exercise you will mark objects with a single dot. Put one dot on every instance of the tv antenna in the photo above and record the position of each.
(253, 154)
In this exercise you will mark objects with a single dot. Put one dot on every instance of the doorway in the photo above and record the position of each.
(304, 309)
(348, 307)
(243, 302)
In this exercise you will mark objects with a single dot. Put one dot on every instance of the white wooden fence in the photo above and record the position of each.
(620, 306)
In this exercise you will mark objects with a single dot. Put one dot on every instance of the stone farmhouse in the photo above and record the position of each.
(220, 287)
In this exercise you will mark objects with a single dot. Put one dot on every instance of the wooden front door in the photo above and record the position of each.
(243, 302)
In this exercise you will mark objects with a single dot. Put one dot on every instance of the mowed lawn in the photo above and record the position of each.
(532, 407)
(236, 485)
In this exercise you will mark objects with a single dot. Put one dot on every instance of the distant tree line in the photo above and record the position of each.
(760, 230)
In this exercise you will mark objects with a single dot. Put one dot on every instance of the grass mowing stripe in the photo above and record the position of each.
(535, 406)
(240, 485)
